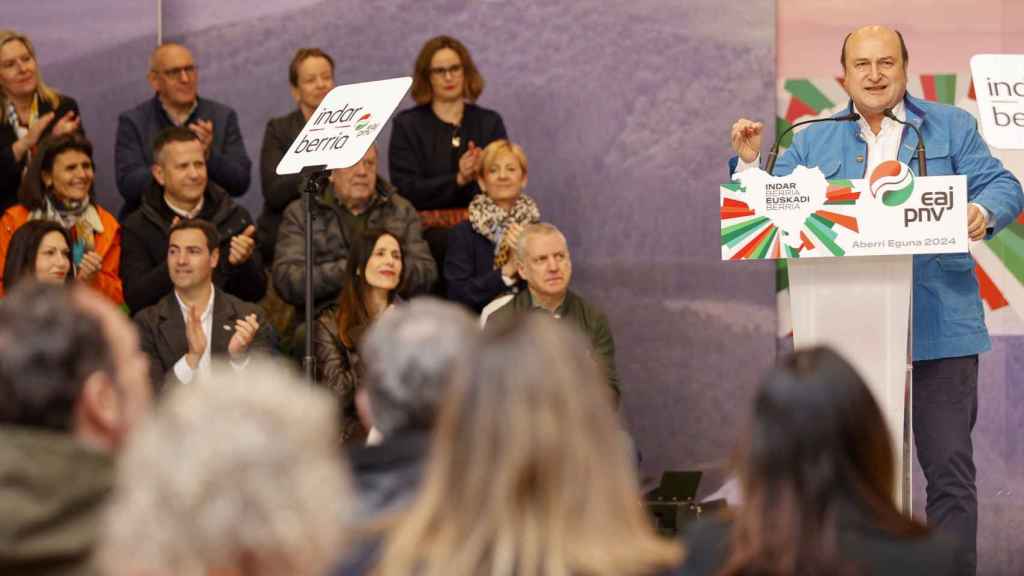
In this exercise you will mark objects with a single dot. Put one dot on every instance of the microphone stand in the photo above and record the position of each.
(314, 187)
(769, 164)
(922, 164)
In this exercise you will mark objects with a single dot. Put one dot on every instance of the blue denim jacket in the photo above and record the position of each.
(948, 318)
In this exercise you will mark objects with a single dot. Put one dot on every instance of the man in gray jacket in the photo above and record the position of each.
(356, 199)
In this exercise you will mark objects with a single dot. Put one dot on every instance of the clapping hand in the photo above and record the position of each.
(245, 332)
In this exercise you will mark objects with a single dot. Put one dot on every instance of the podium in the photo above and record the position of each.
(850, 246)
(860, 307)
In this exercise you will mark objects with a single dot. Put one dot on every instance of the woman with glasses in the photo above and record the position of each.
(29, 111)
(436, 146)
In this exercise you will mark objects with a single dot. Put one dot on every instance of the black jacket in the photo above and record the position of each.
(162, 332)
(144, 249)
(332, 243)
(469, 268)
(278, 190)
(388, 474)
(10, 170)
(875, 552)
(422, 162)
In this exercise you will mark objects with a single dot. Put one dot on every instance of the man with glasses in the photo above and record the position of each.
(175, 78)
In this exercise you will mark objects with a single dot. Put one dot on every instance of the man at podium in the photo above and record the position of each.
(948, 319)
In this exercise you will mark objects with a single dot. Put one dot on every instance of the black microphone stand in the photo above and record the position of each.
(773, 154)
(922, 163)
(314, 187)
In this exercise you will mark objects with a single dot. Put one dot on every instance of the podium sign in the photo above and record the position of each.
(344, 125)
(806, 216)
(860, 307)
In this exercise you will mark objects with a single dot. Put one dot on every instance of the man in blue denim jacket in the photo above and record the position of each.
(948, 320)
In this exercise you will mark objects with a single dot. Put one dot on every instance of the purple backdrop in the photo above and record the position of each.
(623, 108)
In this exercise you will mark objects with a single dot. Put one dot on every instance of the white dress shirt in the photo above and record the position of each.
(182, 370)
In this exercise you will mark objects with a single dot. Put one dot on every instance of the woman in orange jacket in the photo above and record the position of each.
(58, 186)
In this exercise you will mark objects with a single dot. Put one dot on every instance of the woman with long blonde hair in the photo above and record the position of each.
(530, 472)
(30, 110)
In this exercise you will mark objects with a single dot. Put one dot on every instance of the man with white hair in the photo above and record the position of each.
(238, 474)
(409, 353)
(543, 261)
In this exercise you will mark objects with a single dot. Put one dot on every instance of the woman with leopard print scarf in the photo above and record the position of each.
(480, 263)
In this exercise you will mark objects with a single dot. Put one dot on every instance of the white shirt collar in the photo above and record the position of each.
(888, 125)
(209, 305)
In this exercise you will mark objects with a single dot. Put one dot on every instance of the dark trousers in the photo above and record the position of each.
(945, 409)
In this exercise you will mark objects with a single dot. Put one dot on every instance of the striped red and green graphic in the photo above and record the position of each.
(805, 100)
(939, 88)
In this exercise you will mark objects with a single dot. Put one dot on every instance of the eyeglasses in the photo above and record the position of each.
(453, 70)
(189, 71)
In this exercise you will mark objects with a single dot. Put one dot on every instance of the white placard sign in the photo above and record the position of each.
(345, 124)
(999, 88)
(803, 215)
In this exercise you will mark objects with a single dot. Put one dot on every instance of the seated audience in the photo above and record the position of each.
(238, 475)
(542, 260)
(817, 474)
(30, 110)
(196, 321)
(409, 355)
(480, 263)
(373, 275)
(311, 76)
(181, 191)
(529, 471)
(73, 385)
(59, 187)
(39, 250)
(356, 199)
(436, 146)
(174, 77)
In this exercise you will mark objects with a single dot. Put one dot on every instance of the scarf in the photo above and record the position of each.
(80, 218)
(490, 221)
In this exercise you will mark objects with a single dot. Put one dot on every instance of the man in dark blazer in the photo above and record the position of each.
(196, 321)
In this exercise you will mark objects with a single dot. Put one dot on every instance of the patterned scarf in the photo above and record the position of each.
(80, 218)
(491, 221)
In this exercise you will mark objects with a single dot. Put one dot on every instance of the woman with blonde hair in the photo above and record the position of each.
(29, 111)
(480, 263)
(529, 472)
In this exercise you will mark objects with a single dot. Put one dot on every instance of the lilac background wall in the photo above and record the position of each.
(623, 108)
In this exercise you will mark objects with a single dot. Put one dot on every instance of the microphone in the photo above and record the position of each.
(769, 165)
(922, 166)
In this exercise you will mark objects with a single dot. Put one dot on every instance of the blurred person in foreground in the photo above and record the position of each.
(817, 473)
(409, 355)
(529, 471)
(73, 386)
(236, 475)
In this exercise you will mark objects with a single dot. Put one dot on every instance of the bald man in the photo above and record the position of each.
(174, 77)
(948, 320)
